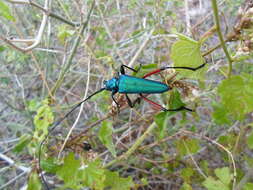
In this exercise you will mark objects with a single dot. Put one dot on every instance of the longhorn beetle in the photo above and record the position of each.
(126, 84)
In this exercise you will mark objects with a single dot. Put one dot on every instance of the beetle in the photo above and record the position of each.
(126, 84)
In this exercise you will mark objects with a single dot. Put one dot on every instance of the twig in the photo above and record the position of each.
(12, 163)
(110, 34)
(133, 148)
(73, 51)
(79, 114)
(37, 39)
(218, 145)
(223, 45)
(148, 36)
(12, 180)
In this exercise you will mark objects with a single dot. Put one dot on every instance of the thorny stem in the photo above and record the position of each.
(217, 22)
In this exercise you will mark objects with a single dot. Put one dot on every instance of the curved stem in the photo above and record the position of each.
(217, 22)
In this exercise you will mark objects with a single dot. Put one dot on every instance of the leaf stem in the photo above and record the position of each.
(217, 22)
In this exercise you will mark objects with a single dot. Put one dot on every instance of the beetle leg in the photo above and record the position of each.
(164, 68)
(162, 108)
(118, 107)
(122, 70)
(187, 68)
(130, 103)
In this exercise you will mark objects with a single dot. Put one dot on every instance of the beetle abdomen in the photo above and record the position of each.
(134, 85)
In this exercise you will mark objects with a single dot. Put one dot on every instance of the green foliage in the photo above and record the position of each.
(236, 95)
(187, 146)
(76, 175)
(186, 186)
(161, 122)
(42, 120)
(114, 181)
(248, 186)
(69, 172)
(23, 142)
(64, 33)
(223, 181)
(221, 114)
(5, 11)
(105, 136)
(250, 140)
(34, 182)
(186, 53)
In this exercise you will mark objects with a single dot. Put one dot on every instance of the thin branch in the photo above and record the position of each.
(133, 147)
(223, 45)
(37, 39)
(73, 51)
(143, 45)
(79, 114)
(12, 163)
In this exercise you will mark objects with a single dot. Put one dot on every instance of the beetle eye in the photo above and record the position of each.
(105, 81)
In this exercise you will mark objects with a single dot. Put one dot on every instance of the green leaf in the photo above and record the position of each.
(212, 184)
(175, 100)
(248, 186)
(49, 165)
(224, 175)
(236, 95)
(250, 140)
(68, 172)
(115, 182)
(186, 174)
(23, 142)
(105, 136)
(188, 146)
(186, 53)
(64, 32)
(42, 120)
(220, 114)
(5, 11)
(161, 122)
(93, 175)
(2, 48)
(34, 182)
(186, 186)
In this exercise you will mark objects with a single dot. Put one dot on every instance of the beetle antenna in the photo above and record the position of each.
(54, 126)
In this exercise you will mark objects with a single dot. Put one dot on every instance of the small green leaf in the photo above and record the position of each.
(105, 136)
(34, 182)
(186, 186)
(5, 11)
(68, 172)
(23, 142)
(175, 100)
(220, 114)
(248, 186)
(161, 122)
(250, 140)
(186, 174)
(93, 175)
(2, 48)
(188, 146)
(236, 95)
(42, 120)
(64, 32)
(224, 175)
(186, 53)
(115, 182)
(49, 165)
(212, 184)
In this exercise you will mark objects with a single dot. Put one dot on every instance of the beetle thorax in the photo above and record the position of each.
(111, 84)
